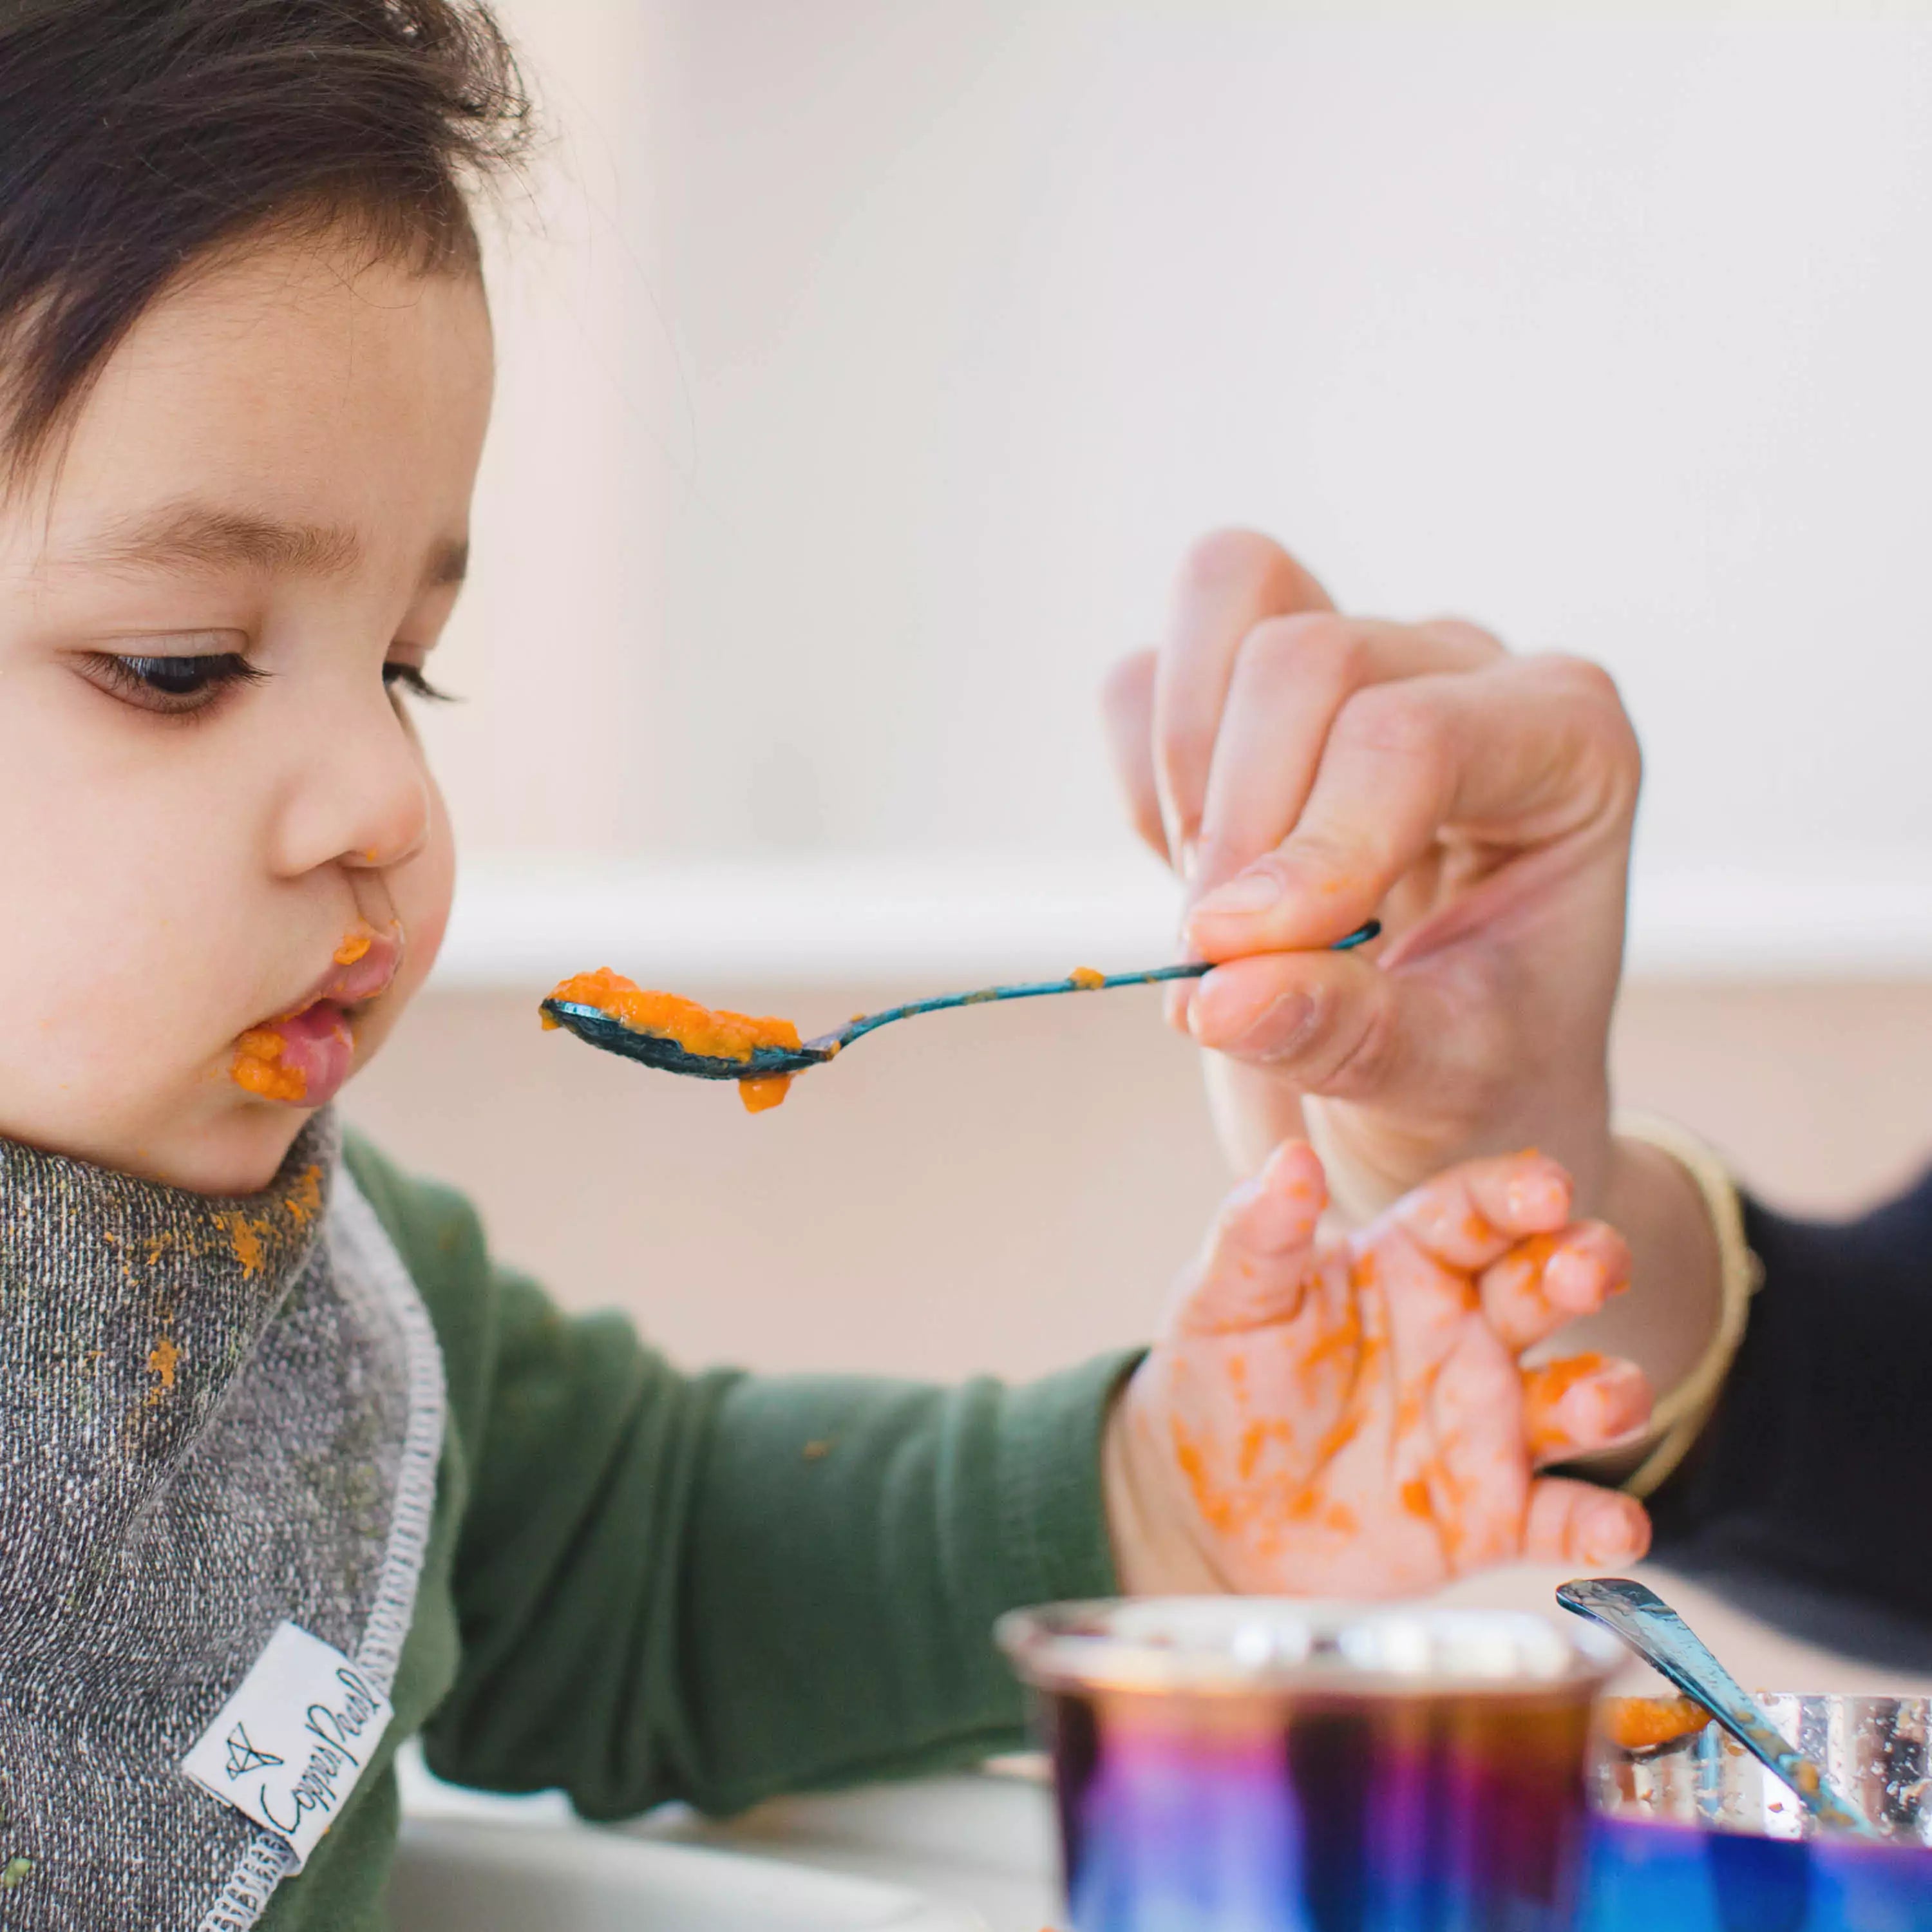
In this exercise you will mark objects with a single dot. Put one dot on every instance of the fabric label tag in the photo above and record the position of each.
(287, 1748)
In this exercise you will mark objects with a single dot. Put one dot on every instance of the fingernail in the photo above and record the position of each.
(1533, 1197)
(1231, 1025)
(1606, 1534)
(1281, 1022)
(1571, 1279)
(1190, 853)
(1248, 892)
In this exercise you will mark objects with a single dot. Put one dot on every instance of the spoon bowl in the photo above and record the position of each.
(597, 1028)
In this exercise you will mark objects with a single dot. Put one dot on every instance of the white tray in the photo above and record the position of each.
(453, 1877)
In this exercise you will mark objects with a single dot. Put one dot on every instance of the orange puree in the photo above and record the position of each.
(718, 1035)
(1642, 1723)
(354, 946)
(256, 1067)
(1086, 979)
(759, 1095)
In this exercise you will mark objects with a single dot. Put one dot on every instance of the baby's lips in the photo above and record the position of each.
(365, 964)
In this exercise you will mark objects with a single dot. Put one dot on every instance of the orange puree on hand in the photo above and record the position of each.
(720, 1036)
(1642, 1723)
(256, 1067)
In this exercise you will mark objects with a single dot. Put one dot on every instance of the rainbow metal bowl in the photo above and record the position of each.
(1261, 1765)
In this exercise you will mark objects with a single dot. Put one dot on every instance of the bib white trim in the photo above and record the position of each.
(369, 1276)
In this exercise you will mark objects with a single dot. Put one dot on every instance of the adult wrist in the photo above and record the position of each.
(1682, 1410)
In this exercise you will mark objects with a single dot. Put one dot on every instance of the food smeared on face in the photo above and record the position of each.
(258, 1066)
(302, 1056)
(699, 1030)
(356, 943)
(1644, 1723)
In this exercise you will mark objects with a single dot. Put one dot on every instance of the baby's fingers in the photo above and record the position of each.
(1577, 1523)
(1548, 1279)
(1581, 1405)
(1257, 1260)
(1474, 1213)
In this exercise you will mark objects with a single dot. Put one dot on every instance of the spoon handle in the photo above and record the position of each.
(1037, 989)
(1664, 1639)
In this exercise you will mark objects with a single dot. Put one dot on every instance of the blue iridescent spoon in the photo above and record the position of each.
(1666, 1642)
(600, 1029)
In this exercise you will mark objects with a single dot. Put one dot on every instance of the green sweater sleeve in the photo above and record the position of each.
(719, 1587)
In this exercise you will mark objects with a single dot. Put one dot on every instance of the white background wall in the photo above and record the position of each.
(877, 357)
(870, 364)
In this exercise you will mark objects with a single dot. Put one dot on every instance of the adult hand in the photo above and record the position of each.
(1304, 771)
(1349, 1418)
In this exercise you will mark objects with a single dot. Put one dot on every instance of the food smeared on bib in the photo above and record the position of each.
(699, 1030)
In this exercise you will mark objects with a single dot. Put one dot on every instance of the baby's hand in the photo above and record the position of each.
(1350, 1419)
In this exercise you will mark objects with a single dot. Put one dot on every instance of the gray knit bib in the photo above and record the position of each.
(215, 1415)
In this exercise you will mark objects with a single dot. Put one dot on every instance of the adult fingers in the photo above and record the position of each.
(1229, 582)
(1580, 1405)
(1518, 754)
(1473, 1213)
(1290, 677)
(1577, 1523)
(1334, 1024)
(1126, 713)
(1255, 1266)
(1550, 1279)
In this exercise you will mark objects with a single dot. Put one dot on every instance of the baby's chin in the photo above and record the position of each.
(213, 1139)
(237, 1151)
(240, 1155)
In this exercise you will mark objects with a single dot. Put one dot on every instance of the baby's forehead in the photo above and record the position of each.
(298, 409)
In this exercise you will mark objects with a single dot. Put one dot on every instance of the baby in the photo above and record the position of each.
(290, 1470)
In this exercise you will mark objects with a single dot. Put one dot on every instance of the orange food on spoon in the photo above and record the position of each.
(717, 1034)
(255, 1057)
(1087, 979)
(1642, 1724)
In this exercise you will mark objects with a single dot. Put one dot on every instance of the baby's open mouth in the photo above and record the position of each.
(302, 1056)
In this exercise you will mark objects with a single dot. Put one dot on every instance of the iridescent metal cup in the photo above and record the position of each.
(1693, 1835)
(1246, 1765)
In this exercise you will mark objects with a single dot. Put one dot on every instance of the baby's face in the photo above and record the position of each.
(211, 607)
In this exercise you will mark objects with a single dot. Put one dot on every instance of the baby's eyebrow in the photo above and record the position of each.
(187, 537)
(199, 536)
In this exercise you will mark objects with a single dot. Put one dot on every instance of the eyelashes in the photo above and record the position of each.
(179, 687)
(172, 685)
(408, 677)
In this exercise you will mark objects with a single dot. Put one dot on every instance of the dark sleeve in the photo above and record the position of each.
(1806, 1499)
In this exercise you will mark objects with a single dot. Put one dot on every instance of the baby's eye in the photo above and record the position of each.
(169, 684)
(408, 677)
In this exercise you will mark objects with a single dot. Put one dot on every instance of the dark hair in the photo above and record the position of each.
(136, 136)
